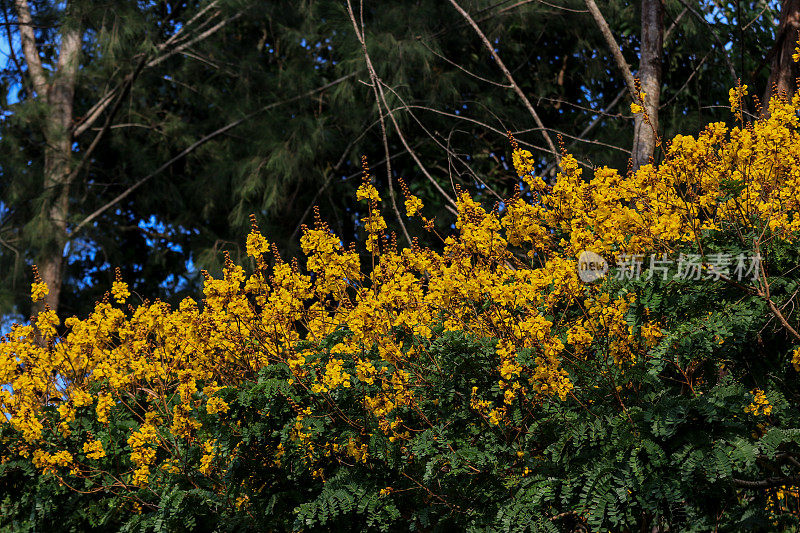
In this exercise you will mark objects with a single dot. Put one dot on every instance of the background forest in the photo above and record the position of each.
(141, 135)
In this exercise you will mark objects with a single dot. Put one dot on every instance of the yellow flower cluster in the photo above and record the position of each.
(796, 54)
(638, 106)
(413, 205)
(509, 275)
(216, 405)
(368, 192)
(119, 290)
(46, 323)
(509, 371)
(39, 288)
(94, 449)
(256, 245)
(209, 452)
(735, 97)
(104, 404)
(760, 405)
(50, 462)
(143, 453)
(484, 407)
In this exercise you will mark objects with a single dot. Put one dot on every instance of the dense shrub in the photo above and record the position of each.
(480, 386)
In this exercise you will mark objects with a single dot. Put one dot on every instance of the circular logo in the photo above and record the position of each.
(591, 266)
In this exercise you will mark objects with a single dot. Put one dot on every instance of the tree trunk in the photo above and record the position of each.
(56, 210)
(58, 92)
(645, 134)
(57, 172)
(784, 71)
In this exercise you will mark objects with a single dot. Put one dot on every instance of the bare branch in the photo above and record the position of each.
(8, 24)
(382, 97)
(87, 154)
(486, 126)
(375, 89)
(688, 80)
(767, 483)
(451, 155)
(106, 100)
(548, 4)
(178, 34)
(484, 18)
(613, 47)
(510, 78)
(128, 125)
(465, 71)
(674, 24)
(10, 39)
(595, 122)
(95, 111)
(764, 292)
(322, 189)
(29, 49)
(196, 145)
(581, 139)
(197, 39)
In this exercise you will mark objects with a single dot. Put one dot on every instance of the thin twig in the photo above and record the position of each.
(713, 31)
(87, 154)
(196, 145)
(613, 47)
(403, 140)
(197, 39)
(107, 99)
(376, 89)
(510, 79)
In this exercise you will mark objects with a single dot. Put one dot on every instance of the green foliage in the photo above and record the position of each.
(665, 441)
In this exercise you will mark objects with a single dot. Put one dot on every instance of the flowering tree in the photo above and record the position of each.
(484, 385)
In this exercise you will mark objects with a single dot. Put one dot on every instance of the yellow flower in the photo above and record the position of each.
(256, 245)
(539, 312)
(523, 162)
(242, 500)
(413, 205)
(104, 404)
(760, 404)
(208, 457)
(94, 449)
(636, 108)
(39, 290)
(216, 405)
(735, 96)
(119, 289)
(796, 55)
(367, 192)
(46, 323)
